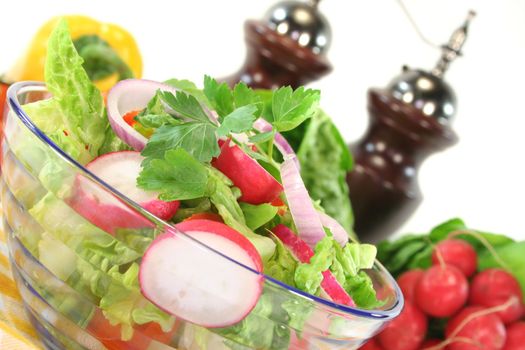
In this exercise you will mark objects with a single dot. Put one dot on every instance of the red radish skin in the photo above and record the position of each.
(458, 253)
(407, 281)
(256, 184)
(515, 336)
(406, 332)
(120, 170)
(304, 253)
(225, 231)
(430, 343)
(192, 283)
(442, 291)
(486, 332)
(495, 287)
(372, 344)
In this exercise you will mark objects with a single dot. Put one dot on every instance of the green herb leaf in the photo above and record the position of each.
(262, 137)
(240, 120)
(290, 108)
(198, 139)
(178, 176)
(154, 121)
(185, 105)
(219, 95)
(244, 96)
(188, 87)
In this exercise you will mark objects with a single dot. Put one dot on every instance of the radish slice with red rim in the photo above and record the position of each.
(119, 170)
(305, 217)
(257, 185)
(193, 283)
(127, 96)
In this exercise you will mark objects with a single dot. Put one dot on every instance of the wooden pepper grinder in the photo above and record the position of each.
(287, 47)
(409, 120)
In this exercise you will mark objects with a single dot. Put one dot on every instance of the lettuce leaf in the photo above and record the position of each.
(223, 198)
(75, 117)
(325, 162)
(347, 264)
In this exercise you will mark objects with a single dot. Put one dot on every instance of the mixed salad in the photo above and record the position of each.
(212, 162)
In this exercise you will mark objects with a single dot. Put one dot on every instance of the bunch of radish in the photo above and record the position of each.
(481, 310)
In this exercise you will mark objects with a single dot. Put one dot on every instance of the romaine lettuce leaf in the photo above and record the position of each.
(325, 162)
(258, 215)
(224, 199)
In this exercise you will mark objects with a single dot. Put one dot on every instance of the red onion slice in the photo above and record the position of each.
(127, 96)
(305, 216)
(339, 233)
(280, 142)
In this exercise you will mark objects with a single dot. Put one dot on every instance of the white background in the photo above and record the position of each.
(481, 179)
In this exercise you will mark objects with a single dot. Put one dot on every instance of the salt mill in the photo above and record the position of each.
(408, 120)
(286, 47)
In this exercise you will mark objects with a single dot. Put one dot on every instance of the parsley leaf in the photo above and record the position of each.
(239, 120)
(290, 108)
(262, 137)
(198, 139)
(178, 176)
(188, 87)
(243, 96)
(219, 95)
(185, 105)
(154, 121)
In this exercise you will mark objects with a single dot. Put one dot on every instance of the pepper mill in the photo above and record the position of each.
(286, 47)
(408, 120)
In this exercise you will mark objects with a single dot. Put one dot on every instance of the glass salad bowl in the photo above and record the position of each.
(79, 282)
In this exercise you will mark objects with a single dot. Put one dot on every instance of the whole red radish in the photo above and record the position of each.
(458, 253)
(407, 281)
(442, 291)
(482, 332)
(256, 184)
(515, 336)
(119, 170)
(430, 343)
(372, 344)
(406, 332)
(495, 287)
(184, 278)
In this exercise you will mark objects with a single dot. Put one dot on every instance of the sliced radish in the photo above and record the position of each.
(256, 184)
(119, 170)
(305, 217)
(127, 96)
(304, 253)
(188, 281)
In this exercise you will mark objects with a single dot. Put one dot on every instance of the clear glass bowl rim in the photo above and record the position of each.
(35, 86)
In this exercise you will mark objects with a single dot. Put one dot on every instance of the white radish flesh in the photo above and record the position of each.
(119, 170)
(198, 285)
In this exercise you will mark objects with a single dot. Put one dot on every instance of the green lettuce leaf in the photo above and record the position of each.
(224, 199)
(325, 162)
(281, 265)
(258, 215)
(308, 277)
